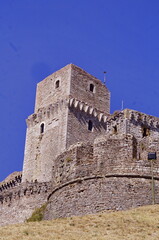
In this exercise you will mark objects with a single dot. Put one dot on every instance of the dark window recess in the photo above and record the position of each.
(42, 128)
(152, 156)
(57, 84)
(91, 87)
(145, 132)
(90, 125)
(115, 129)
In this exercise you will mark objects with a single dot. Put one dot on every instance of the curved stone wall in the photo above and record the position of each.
(96, 194)
(109, 155)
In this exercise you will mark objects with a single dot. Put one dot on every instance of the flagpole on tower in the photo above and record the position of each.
(105, 77)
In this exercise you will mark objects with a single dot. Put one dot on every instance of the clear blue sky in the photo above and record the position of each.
(38, 37)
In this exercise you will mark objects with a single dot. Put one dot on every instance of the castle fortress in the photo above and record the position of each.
(68, 102)
(79, 158)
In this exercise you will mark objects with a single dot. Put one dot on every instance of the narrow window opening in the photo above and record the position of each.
(91, 87)
(90, 125)
(115, 129)
(145, 132)
(42, 128)
(57, 84)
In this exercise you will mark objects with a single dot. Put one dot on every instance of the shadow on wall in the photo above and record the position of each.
(86, 119)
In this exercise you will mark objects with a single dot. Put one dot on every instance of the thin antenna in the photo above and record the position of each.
(122, 105)
(104, 76)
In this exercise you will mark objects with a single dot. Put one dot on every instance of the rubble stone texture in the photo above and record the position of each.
(79, 158)
(58, 100)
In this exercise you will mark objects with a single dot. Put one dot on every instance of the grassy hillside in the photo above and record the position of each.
(137, 224)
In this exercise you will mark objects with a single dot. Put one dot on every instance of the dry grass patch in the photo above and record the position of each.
(137, 224)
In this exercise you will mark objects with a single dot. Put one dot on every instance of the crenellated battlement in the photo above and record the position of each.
(50, 111)
(53, 109)
(133, 122)
(110, 174)
(135, 117)
(70, 105)
(11, 184)
(79, 158)
(18, 203)
(9, 195)
(82, 106)
(110, 154)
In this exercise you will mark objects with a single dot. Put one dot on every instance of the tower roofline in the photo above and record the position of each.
(81, 70)
(78, 69)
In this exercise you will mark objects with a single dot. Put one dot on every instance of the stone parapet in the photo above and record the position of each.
(18, 203)
(11, 184)
(91, 195)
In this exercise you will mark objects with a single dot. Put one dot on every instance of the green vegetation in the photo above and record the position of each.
(136, 224)
(38, 214)
(68, 159)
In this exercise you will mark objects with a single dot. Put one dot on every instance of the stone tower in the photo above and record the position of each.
(71, 106)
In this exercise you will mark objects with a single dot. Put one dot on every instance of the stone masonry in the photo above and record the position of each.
(56, 124)
(79, 158)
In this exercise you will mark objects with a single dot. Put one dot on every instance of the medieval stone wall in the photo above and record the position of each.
(110, 154)
(87, 178)
(98, 194)
(11, 181)
(61, 119)
(78, 124)
(132, 122)
(74, 163)
(99, 98)
(78, 157)
(100, 176)
(48, 93)
(18, 203)
(43, 147)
